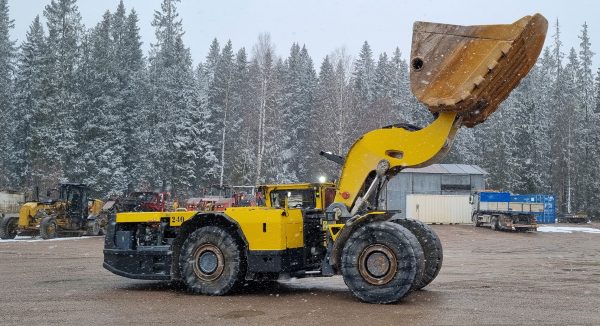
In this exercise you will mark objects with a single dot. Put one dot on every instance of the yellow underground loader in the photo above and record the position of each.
(461, 73)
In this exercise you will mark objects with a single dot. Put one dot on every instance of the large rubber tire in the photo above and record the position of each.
(211, 261)
(48, 228)
(474, 220)
(98, 225)
(8, 227)
(432, 249)
(494, 223)
(379, 262)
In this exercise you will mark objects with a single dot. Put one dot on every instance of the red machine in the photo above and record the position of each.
(218, 198)
(139, 201)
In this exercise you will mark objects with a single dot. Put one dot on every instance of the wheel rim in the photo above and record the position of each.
(208, 262)
(377, 264)
(51, 229)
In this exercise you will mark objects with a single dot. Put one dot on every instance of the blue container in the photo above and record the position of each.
(548, 216)
(494, 196)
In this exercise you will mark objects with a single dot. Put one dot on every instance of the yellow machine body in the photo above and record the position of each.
(95, 207)
(28, 212)
(264, 228)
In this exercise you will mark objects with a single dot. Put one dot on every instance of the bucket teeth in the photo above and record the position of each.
(472, 69)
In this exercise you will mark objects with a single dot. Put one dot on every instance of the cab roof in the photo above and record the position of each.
(298, 185)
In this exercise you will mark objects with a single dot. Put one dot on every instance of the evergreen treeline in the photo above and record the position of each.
(87, 105)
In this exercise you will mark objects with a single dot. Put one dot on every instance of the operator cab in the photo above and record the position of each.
(76, 197)
(298, 195)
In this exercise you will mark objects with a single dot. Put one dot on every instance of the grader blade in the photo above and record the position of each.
(472, 69)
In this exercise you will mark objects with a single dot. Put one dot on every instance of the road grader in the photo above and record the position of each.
(461, 73)
(71, 212)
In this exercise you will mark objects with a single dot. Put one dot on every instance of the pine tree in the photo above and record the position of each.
(364, 77)
(240, 151)
(597, 92)
(64, 40)
(221, 97)
(133, 95)
(326, 119)
(345, 118)
(584, 88)
(295, 114)
(30, 127)
(566, 127)
(181, 132)
(7, 114)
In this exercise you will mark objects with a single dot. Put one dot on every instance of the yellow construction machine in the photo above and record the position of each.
(461, 73)
(71, 212)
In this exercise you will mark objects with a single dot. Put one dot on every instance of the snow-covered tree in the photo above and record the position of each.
(296, 113)
(263, 85)
(364, 77)
(7, 113)
(178, 141)
(64, 52)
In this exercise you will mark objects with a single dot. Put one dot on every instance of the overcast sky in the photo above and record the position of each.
(324, 25)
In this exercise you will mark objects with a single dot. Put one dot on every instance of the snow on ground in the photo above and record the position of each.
(38, 239)
(566, 229)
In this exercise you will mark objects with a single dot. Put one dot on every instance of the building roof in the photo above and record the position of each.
(448, 169)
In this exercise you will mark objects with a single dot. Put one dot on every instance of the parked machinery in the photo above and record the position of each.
(69, 213)
(461, 73)
(137, 201)
(573, 218)
(218, 198)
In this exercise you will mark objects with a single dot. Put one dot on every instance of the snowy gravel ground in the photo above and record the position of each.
(488, 278)
(567, 229)
(37, 239)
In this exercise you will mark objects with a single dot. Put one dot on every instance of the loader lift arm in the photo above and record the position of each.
(462, 74)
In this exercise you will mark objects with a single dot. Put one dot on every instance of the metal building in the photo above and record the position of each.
(436, 179)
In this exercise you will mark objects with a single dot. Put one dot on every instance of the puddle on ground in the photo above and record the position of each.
(235, 314)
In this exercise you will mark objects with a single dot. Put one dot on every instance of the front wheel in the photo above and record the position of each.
(211, 261)
(48, 228)
(475, 219)
(380, 262)
(8, 227)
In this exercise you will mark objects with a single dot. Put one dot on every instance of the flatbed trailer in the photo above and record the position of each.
(497, 211)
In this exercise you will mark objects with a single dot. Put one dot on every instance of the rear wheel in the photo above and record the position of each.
(48, 228)
(494, 223)
(432, 250)
(379, 262)
(211, 261)
(8, 227)
(98, 225)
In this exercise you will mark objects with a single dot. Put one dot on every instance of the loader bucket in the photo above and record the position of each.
(472, 69)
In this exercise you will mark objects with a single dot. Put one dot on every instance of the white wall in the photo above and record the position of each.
(439, 208)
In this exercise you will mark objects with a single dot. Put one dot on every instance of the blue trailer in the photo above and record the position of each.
(506, 211)
(548, 215)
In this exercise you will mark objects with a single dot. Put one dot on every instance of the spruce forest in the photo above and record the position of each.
(87, 105)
